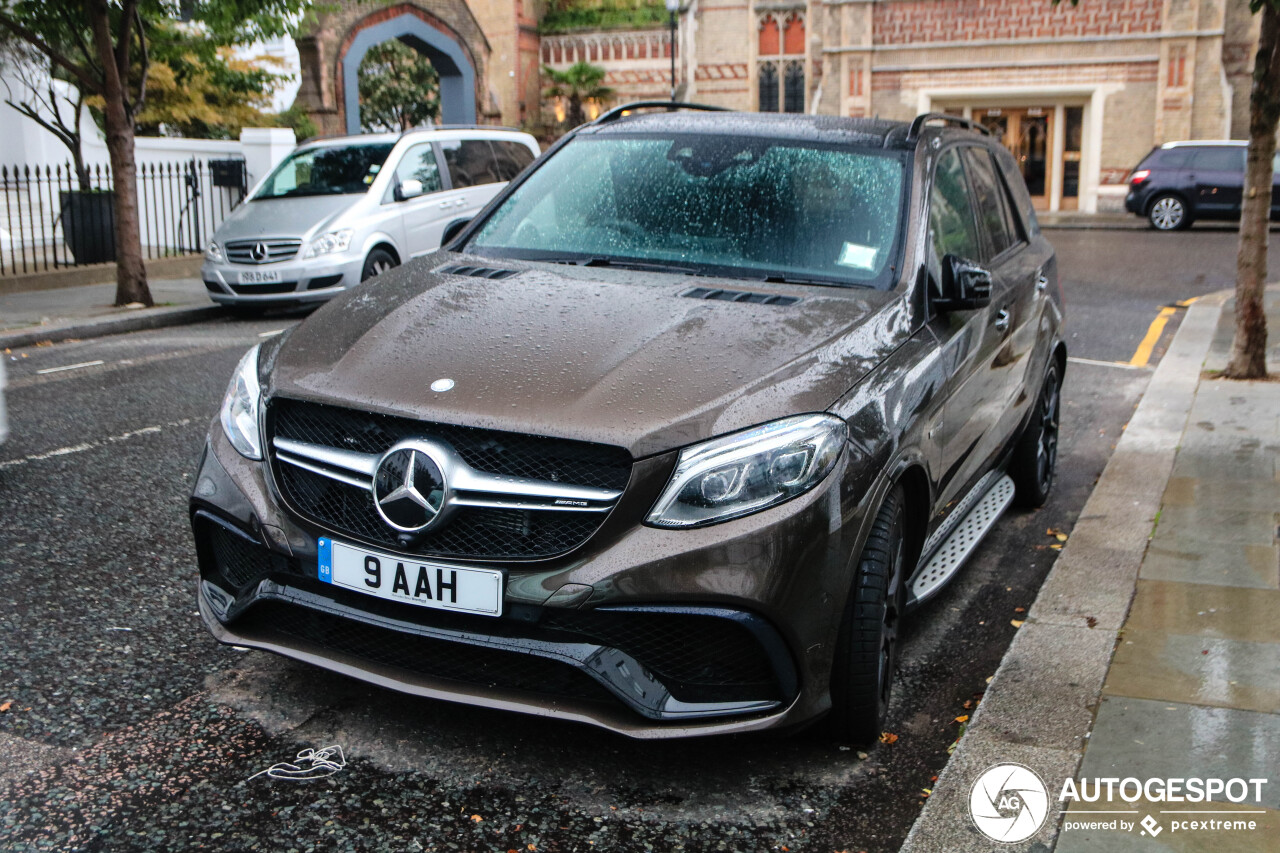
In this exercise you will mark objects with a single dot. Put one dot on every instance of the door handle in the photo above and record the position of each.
(1001, 320)
(1042, 283)
(462, 202)
(445, 205)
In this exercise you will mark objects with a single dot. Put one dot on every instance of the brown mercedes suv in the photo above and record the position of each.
(667, 440)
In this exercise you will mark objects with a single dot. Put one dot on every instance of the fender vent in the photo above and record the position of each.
(740, 296)
(478, 272)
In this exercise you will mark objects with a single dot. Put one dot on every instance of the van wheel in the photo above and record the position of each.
(867, 647)
(1035, 458)
(378, 262)
(1168, 213)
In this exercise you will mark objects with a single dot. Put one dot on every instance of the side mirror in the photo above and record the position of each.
(965, 285)
(408, 189)
(453, 229)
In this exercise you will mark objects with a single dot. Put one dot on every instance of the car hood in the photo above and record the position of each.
(600, 355)
(282, 217)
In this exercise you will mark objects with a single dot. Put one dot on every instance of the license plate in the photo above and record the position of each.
(259, 276)
(413, 582)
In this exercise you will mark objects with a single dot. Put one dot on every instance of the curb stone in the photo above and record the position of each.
(146, 318)
(1039, 707)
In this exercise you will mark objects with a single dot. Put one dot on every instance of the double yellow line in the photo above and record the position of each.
(1142, 354)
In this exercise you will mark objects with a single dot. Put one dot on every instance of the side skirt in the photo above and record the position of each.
(951, 545)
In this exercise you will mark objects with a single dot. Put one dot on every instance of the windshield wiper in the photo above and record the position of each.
(648, 266)
(787, 278)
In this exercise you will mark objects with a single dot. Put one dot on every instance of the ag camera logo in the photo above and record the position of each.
(1009, 803)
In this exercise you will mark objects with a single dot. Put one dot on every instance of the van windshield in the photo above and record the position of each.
(773, 209)
(331, 170)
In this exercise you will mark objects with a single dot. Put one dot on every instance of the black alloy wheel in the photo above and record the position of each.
(1035, 459)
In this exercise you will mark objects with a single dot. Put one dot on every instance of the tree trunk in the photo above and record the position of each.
(1249, 349)
(131, 272)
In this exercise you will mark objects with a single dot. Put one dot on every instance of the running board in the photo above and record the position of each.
(950, 555)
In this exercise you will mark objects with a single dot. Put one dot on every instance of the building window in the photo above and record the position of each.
(793, 88)
(770, 44)
(793, 37)
(768, 80)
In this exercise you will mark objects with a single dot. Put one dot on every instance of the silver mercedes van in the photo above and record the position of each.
(338, 211)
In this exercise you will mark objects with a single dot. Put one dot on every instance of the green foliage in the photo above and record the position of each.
(399, 88)
(565, 15)
(296, 117)
(578, 83)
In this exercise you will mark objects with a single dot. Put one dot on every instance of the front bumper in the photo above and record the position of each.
(649, 633)
(312, 280)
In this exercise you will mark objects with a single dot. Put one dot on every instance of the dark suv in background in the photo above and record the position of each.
(1180, 182)
(667, 441)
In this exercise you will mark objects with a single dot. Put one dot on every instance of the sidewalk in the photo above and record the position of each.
(86, 311)
(1185, 683)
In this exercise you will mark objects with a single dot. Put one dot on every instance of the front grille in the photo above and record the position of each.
(242, 251)
(427, 656)
(471, 532)
(268, 287)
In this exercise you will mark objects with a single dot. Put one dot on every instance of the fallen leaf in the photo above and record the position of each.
(963, 718)
(6, 706)
(890, 737)
(1019, 610)
(1061, 537)
(1057, 547)
(927, 791)
(531, 847)
(1017, 623)
(933, 778)
(476, 818)
(1091, 622)
(989, 677)
(968, 703)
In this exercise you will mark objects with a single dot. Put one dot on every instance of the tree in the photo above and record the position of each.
(46, 97)
(578, 83)
(103, 46)
(1249, 348)
(399, 88)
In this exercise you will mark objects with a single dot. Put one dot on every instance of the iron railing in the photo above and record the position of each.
(51, 217)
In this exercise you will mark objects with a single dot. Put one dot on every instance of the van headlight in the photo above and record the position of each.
(240, 407)
(328, 243)
(213, 252)
(742, 473)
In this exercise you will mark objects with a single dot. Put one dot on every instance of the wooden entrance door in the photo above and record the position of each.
(1028, 133)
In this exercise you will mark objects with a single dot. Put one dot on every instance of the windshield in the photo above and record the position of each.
(331, 170)
(707, 204)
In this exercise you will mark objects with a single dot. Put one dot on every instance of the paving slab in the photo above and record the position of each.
(1230, 613)
(1182, 558)
(1147, 739)
(1153, 664)
(1226, 494)
(1228, 525)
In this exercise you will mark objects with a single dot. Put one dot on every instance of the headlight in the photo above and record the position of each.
(214, 252)
(334, 241)
(749, 471)
(240, 407)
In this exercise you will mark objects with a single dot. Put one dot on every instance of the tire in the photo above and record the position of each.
(1168, 212)
(867, 647)
(378, 262)
(1035, 457)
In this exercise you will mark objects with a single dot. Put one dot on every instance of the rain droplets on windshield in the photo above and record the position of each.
(736, 205)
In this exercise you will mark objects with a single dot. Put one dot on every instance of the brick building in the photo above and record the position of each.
(1080, 94)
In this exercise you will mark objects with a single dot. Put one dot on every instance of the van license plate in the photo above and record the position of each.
(396, 578)
(259, 276)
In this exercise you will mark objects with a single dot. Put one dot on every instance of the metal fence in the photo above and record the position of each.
(51, 218)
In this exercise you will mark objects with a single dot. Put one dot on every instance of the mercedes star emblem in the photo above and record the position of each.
(259, 252)
(408, 489)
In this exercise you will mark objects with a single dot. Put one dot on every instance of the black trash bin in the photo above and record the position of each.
(89, 225)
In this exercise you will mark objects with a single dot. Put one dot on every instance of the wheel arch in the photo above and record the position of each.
(1178, 194)
(387, 246)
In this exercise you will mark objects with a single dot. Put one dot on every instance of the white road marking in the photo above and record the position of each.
(71, 366)
(1123, 365)
(93, 445)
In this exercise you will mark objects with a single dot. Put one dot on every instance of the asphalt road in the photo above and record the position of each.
(124, 726)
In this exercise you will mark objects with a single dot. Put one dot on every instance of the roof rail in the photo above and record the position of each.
(426, 127)
(618, 112)
(921, 120)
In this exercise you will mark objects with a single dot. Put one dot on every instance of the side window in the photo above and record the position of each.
(471, 162)
(1172, 158)
(512, 158)
(952, 230)
(989, 196)
(418, 164)
(1223, 159)
(1024, 211)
